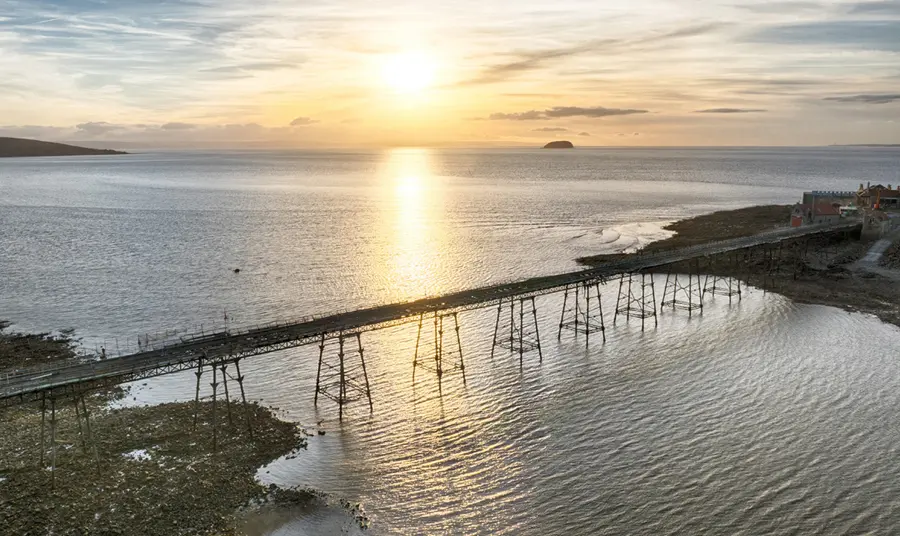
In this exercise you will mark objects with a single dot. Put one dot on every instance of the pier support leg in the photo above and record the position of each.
(496, 327)
(521, 332)
(197, 393)
(586, 314)
(681, 295)
(345, 379)
(319, 369)
(447, 359)
(227, 396)
(90, 434)
(637, 305)
(362, 361)
(215, 421)
(524, 335)
(537, 331)
(240, 380)
(462, 365)
(43, 425)
(562, 315)
(342, 389)
(52, 443)
(418, 340)
(80, 427)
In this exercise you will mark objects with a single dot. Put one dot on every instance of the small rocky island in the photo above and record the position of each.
(560, 144)
(17, 147)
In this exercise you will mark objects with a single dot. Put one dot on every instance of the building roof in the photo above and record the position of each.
(821, 209)
(872, 191)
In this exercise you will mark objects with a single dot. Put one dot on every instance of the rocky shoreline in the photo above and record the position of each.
(156, 475)
(823, 274)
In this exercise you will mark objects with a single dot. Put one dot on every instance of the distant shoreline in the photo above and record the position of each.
(24, 148)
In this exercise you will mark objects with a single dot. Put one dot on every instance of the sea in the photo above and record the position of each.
(758, 416)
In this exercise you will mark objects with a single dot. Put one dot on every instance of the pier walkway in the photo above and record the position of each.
(230, 346)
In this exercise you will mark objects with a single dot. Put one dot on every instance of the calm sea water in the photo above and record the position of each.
(759, 417)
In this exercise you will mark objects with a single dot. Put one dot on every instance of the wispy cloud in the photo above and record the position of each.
(883, 7)
(564, 111)
(729, 111)
(177, 126)
(584, 133)
(303, 121)
(550, 129)
(883, 98)
(532, 60)
(781, 8)
(861, 34)
(99, 127)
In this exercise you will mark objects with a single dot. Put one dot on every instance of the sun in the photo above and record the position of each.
(408, 72)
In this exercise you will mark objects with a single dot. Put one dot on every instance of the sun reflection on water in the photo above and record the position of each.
(412, 210)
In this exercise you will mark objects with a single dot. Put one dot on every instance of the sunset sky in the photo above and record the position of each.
(344, 73)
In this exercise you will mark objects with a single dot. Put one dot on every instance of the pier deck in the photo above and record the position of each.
(225, 346)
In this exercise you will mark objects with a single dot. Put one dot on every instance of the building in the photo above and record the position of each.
(829, 196)
(878, 196)
(878, 223)
(808, 214)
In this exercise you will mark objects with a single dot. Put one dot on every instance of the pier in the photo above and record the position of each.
(342, 376)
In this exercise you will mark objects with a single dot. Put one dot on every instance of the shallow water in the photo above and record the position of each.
(759, 417)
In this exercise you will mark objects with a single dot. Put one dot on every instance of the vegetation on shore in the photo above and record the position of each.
(155, 475)
(20, 147)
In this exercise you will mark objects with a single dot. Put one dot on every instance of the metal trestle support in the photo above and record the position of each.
(634, 300)
(722, 286)
(344, 379)
(683, 291)
(584, 313)
(447, 359)
(524, 335)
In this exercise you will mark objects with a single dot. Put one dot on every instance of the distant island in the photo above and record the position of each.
(561, 144)
(14, 147)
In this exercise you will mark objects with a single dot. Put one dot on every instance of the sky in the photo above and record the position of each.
(362, 73)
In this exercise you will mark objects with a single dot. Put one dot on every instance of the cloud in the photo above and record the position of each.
(563, 111)
(866, 35)
(532, 60)
(303, 121)
(532, 115)
(100, 127)
(597, 111)
(884, 98)
(884, 7)
(584, 133)
(780, 8)
(177, 126)
(729, 111)
(249, 67)
(550, 129)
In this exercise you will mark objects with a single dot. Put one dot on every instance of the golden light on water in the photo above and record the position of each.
(411, 210)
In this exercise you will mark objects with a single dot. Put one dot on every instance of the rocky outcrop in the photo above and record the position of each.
(560, 144)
